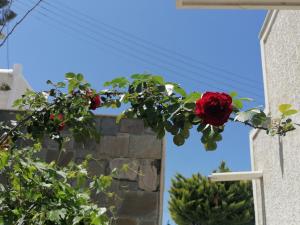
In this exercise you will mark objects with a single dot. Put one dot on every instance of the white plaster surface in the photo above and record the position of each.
(279, 158)
(17, 83)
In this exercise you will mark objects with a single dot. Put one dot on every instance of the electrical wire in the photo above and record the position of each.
(140, 41)
(118, 49)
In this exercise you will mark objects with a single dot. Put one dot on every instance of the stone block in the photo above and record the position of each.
(114, 146)
(148, 222)
(145, 147)
(88, 147)
(132, 126)
(64, 159)
(126, 221)
(149, 130)
(6, 115)
(109, 126)
(127, 169)
(148, 177)
(128, 185)
(97, 167)
(140, 204)
(49, 144)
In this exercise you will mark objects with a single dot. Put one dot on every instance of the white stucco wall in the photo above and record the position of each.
(17, 83)
(277, 196)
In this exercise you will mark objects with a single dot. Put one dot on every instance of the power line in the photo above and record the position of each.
(118, 50)
(143, 42)
(19, 22)
(96, 42)
(147, 54)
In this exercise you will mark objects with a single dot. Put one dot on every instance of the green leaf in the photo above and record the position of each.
(77, 219)
(140, 76)
(193, 97)
(54, 216)
(158, 79)
(210, 146)
(179, 90)
(284, 107)
(3, 159)
(233, 94)
(70, 76)
(238, 103)
(290, 112)
(217, 137)
(120, 82)
(246, 99)
(60, 84)
(185, 133)
(178, 140)
(79, 77)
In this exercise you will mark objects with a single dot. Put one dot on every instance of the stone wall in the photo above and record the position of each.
(140, 189)
(277, 196)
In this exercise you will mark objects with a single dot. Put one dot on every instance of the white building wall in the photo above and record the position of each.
(17, 83)
(277, 196)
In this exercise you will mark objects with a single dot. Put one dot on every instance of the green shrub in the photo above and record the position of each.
(199, 201)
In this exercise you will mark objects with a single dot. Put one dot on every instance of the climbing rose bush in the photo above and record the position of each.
(35, 192)
(166, 107)
(214, 108)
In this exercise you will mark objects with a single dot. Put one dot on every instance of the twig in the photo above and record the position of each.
(19, 22)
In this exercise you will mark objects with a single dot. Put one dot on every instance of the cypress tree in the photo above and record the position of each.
(199, 201)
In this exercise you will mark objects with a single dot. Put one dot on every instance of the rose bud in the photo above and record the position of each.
(214, 108)
(95, 102)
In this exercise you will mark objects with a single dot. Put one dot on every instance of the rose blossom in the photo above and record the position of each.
(95, 102)
(51, 117)
(60, 117)
(214, 108)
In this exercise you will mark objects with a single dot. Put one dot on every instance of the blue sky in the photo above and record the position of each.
(119, 38)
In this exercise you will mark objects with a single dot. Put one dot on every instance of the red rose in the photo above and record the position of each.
(60, 117)
(52, 116)
(95, 102)
(214, 108)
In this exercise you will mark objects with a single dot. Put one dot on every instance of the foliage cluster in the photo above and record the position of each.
(199, 201)
(166, 107)
(35, 192)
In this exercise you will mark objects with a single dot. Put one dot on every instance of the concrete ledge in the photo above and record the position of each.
(239, 4)
(236, 176)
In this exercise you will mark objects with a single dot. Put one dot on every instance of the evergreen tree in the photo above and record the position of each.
(199, 201)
